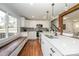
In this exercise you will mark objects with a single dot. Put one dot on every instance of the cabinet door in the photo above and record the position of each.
(54, 52)
(44, 46)
(47, 48)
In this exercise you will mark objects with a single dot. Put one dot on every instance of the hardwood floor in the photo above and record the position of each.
(31, 48)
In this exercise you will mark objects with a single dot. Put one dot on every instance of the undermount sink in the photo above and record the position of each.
(49, 36)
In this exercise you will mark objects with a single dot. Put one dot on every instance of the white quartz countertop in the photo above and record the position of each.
(66, 45)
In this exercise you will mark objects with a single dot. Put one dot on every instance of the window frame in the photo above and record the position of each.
(7, 23)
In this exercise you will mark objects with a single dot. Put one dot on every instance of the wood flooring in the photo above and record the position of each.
(31, 48)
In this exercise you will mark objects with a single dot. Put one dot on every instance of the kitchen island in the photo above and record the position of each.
(59, 45)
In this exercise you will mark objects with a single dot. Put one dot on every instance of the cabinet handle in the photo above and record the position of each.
(52, 50)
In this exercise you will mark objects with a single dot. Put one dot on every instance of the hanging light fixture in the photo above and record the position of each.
(53, 9)
(48, 19)
(66, 7)
(47, 13)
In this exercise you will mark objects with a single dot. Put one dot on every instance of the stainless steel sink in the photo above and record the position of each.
(49, 36)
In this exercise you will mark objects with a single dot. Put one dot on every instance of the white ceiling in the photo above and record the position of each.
(37, 10)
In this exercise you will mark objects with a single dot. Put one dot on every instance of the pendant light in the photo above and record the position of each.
(66, 7)
(53, 9)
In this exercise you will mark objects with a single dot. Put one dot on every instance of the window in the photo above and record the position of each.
(2, 25)
(12, 26)
(8, 25)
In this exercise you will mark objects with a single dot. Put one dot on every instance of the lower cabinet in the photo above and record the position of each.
(48, 49)
(45, 48)
(54, 52)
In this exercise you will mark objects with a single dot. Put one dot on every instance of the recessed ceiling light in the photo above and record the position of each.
(74, 20)
(31, 3)
(65, 17)
(76, 25)
(33, 16)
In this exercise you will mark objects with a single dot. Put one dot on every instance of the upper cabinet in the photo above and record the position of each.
(23, 22)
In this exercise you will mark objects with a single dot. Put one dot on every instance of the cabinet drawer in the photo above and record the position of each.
(48, 49)
(54, 52)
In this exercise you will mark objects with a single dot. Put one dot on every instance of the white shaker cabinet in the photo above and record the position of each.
(59, 46)
(47, 48)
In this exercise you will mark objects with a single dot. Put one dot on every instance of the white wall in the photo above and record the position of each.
(76, 27)
(7, 40)
(32, 23)
(23, 22)
(10, 12)
(71, 26)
